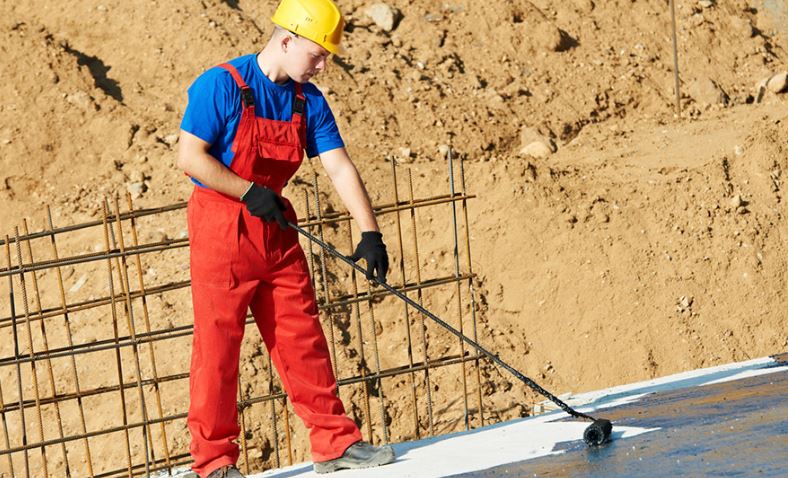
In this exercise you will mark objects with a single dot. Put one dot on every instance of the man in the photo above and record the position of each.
(243, 135)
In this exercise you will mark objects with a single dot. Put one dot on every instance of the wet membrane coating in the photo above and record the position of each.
(735, 428)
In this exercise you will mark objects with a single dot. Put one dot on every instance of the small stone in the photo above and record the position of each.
(405, 153)
(384, 16)
(741, 210)
(136, 189)
(685, 302)
(537, 149)
(778, 82)
(444, 150)
(535, 144)
(737, 201)
(742, 26)
(170, 139)
(738, 150)
(81, 100)
(495, 100)
(529, 135)
(705, 90)
(706, 3)
(548, 36)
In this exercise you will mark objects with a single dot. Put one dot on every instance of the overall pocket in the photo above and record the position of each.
(213, 241)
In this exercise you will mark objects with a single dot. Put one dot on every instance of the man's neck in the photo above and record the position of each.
(266, 60)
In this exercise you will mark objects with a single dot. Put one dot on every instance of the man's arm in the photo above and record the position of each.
(346, 180)
(194, 159)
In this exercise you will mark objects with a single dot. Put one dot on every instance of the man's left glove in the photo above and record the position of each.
(264, 203)
(372, 249)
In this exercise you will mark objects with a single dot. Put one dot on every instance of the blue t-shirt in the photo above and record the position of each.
(214, 109)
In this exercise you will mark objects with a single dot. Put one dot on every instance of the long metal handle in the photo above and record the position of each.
(535, 386)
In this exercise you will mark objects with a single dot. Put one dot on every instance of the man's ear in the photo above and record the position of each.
(285, 42)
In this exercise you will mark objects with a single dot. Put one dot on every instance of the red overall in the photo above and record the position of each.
(239, 261)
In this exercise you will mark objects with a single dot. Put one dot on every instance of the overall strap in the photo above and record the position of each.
(299, 101)
(299, 105)
(246, 93)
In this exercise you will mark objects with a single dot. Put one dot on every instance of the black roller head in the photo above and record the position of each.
(598, 432)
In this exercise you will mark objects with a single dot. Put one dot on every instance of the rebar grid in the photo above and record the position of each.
(82, 342)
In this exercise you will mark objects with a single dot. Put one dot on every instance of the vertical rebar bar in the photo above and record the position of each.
(406, 309)
(5, 431)
(45, 343)
(146, 320)
(240, 408)
(377, 363)
(323, 273)
(125, 285)
(360, 333)
(458, 289)
(288, 434)
(675, 57)
(70, 340)
(273, 411)
(420, 297)
(118, 361)
(310, 247)
(34, 371)
(15, 335)
(471, 290)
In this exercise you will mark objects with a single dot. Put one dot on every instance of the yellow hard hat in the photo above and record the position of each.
(317, 20)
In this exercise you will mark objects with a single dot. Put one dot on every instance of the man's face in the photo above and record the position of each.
(305, 58)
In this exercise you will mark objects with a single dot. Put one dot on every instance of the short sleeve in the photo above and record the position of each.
(210, 105)
(322, 132)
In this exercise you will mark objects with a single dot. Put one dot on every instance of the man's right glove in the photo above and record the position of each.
(373, 250)
(264, 203)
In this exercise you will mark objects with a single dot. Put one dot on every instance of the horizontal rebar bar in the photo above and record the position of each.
(445, 362)
(110, 218)
(327, 217)
(101, 301)
(176, 243)
(185, 330)
(62, 397)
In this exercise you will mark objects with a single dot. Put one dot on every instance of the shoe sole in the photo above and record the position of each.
(340, 464)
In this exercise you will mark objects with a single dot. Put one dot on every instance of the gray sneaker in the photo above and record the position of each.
(359, 455)
(226, 472)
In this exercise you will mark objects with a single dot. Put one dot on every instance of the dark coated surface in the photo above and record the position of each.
(731, 429)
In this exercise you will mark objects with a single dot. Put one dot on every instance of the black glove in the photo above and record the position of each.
(372, 249)
(264, 203)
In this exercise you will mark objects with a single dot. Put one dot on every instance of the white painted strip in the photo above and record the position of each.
(466, 452)
(748, 373)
